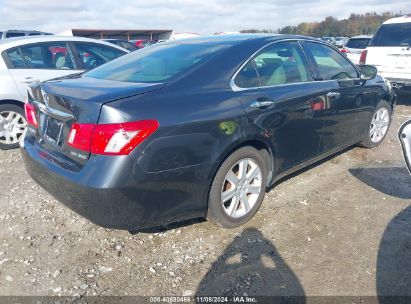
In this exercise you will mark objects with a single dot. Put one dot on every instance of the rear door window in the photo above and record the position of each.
(331, 65)
(393, 35)
(93, 55)
(281, 63)
(47, 55)
(277, 64)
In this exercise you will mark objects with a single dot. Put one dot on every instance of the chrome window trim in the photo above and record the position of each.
(236, 88)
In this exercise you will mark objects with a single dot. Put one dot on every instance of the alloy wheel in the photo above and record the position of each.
(379, 125)
(241, 188)
(12, 126)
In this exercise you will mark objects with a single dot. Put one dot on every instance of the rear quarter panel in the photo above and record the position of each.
(182, 156)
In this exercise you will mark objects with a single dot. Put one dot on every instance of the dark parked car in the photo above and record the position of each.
(124, 44)
(198, 128)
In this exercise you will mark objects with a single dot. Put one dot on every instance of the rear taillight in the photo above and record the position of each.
(344, 50)
(363, 57)
(110, 139)
(30, 111)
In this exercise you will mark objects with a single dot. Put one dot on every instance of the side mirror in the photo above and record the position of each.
(368, 72)
(405, 137)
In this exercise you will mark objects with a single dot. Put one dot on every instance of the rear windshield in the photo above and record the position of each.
(155, 63)
(393, 35)
(358, 43)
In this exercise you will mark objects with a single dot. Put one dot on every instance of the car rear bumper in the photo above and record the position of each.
(112, 193)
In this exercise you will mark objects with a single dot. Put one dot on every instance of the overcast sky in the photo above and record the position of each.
(203, 17)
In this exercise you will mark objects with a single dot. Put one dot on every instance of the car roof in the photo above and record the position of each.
(8, 43)
(232, 39)
(402, 19)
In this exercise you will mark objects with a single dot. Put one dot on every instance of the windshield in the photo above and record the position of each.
(155, 63)
(393, 35)
(358, 43)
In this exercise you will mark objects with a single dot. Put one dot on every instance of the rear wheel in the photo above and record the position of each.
(238, 188)
(379, 125)
(12, 126)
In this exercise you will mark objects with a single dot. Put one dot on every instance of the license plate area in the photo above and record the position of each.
(53, 131)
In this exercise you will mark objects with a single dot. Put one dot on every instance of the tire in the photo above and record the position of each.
(371, 140)
(12, 125)
(236, 211)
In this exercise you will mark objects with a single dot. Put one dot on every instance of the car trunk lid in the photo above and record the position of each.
(61, 103)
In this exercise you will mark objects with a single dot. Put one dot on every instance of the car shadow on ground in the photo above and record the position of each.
(394, 260)
(252, 266)
(393, 181)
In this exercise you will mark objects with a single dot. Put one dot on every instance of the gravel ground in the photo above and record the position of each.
(341, 227)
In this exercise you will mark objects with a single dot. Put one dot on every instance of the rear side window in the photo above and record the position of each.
(47, 55)
(393, 35)
(93, 55)
(1, 35)
(247, 77)
(156, 63)
(358, 43)
(15, 58)
(11, 35)
(277, 64)
(331, 65)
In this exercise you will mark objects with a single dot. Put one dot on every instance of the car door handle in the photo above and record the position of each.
(262, 103)
(333, 95)
(29, 80)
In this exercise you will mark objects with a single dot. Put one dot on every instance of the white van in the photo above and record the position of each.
(390, 51)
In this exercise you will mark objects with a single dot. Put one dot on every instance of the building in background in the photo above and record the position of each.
(149, 35)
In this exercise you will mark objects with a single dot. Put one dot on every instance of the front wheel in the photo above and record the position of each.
(379, 125)
(238, 188)
(12, 126)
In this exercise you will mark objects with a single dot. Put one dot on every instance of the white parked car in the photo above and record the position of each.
(355, 46)
(390, 51)
(27, 60)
